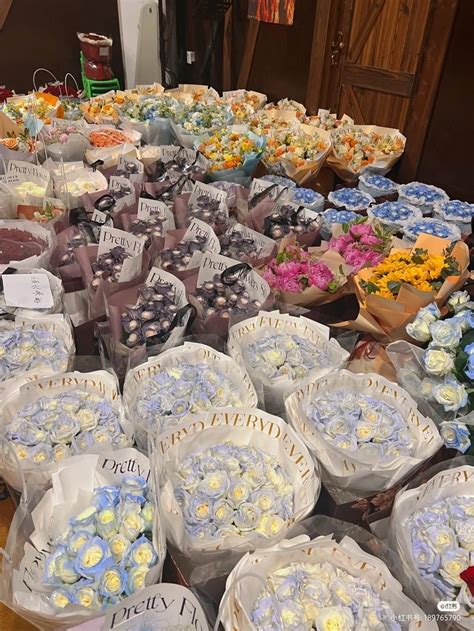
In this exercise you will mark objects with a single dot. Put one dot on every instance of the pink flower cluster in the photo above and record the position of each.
(294, 270)
(360, 247)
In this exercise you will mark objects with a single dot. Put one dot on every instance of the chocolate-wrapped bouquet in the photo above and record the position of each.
(232, 479)
(326, 583)
(206, 203)
(280, 351)
(246, 245)
(49, 419)
(365, 431)
(224, 292)
(89, 542)
(182, 382)
(151, 223)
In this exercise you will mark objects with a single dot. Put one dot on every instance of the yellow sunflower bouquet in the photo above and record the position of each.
(392, 292)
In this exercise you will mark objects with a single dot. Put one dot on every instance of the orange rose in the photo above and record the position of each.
(9, 143)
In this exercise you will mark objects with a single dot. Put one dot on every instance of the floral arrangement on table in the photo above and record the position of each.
(151, 108)
(22, 142)
(19, 107)
(199, 118)
(107, 550)
(417, 267)
(233, 490)
(456, 211)
(226, 149)
(395, 215)
(61, 134)
(307, 197)
(362, 244)
(424, 196)
(294, 270)
(448, 362)
(441, 546)
(359, 148)
(100, 109)
(294, 146)
(376, 185)
(428, 225)
(55, 427)
(351, 199)
(325, 120)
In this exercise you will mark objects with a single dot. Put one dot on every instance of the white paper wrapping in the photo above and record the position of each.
(59, 326)
(273, 392)
(190, 353)
(21, 579)
(241, 592)
(16, 397)
(240, 426)
(451, 483)
(348, 470)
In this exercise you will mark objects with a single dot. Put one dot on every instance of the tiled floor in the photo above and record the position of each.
(8, 620)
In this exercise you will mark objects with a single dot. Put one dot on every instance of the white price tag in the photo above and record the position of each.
(28, 291)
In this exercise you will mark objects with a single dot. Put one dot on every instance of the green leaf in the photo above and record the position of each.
(345, 228)
(460, 363)
(372, 288)
(394, 286)
(466, 339)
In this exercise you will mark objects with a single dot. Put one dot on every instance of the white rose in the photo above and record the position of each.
(459, 300)
(419, 330)
(451, 395)
(438, 363)
(445, 334)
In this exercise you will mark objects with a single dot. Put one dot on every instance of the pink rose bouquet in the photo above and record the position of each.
(362, 245)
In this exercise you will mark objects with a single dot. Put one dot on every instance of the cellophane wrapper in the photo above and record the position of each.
(15, 398)
(240, 426)
(46, 515)
(451, 481)
(273, 392)
(347, 472)
(246, 580)
(191, 353)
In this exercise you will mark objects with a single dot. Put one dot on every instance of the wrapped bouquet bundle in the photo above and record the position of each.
(184, 250)
(431, 226)
(30, 183)
(163, 607)
(378, 186)
(101, 110)
(456, 212)
(391, 293)
(151, 116)
(333, 220)
(306, 278)
(118, 261)
(49, 419)
(431, 529)
(224, 292)
(151, 223)
(324, 119)
(247, 245)
(24, 305)
(133, 169)
(280, 351)
(366, 431)
(423, 196)
(71, 184)
(90, 541)
(31, 348)
(234, 479)
(356, 148)
(65, 140)
(110, 145)
(153, 315)
(232, 153)
(165, 166)
(255, 99)
(199, 118)
(16, 144)
(395, 215)
(317, 584)
(298, 153)
(183, 382)
(353, 199)
(124, 193)
(7, 202)
(204, 202)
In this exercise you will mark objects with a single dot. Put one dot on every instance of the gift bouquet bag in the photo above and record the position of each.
(151, 116)
(431, 529)
(247, 246)
(325, 583)
(71, 184)
(91, 540)
(118, 260)
(365, 431)
(52, 418)
(151, 222)
(389, 299)
(206, 203)
(133, 169)
(279, 351)
(183, 250)
(297, 152)
(25, 303)
(145, 319)
(356, 148)
(29, 182)
(224, 292)
(197, 119)
(25, 244)
(35, 347)
(183, 381)
(232, 480)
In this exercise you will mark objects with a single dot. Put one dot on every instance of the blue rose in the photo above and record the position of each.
(425, 557)
(93, 558)
(455, 435)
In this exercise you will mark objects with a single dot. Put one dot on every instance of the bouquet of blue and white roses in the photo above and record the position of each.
(90, 541)
(151, 116)
(280, 351)
(180, 383)
(34, 348)
(232, 479)
(47, 420)
(318, 584)
(432, 529)
(365, 431)
(441, 376)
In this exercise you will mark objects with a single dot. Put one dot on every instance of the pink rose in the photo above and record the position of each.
(359, 230)
(370, 239)
(320, 276)
(340, 243)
